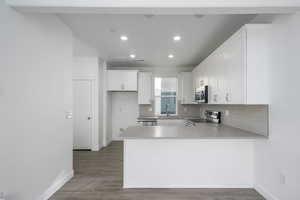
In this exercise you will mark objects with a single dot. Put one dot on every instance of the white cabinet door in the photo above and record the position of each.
(195, 73)
(114, 80)
(145, 88)
(121, 80)
(235, 73)
(257, 63)
(130, 80)
(219, 64)
(226, 72)
(222, 70)
(187, 94)
(213, 78)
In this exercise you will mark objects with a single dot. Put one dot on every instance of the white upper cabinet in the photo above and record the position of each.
(237, 71)
(186, 86)
(256, 59)
(122, 80)
(145, 88)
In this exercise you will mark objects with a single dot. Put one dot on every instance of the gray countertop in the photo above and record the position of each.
(141, 118)
(200, 131)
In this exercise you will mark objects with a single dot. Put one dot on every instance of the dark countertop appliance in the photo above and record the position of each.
(201, 94)
(213, 116)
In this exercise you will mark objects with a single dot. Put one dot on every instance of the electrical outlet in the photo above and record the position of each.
(282, 179)
(227, 112)
(150, 109)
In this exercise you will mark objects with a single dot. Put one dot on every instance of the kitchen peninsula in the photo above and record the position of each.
(201, 156)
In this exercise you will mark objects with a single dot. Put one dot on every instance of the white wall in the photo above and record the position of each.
(107, 108)
(124, 112)
(83, 49)
(280, 155)
(108, 118)
(102, 114)
(85, 67)
(35, 93)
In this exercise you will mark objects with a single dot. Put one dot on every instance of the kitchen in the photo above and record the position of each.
(129, 101)
(168, 117)
(226, 77)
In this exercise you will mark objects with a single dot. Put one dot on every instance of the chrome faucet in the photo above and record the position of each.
(167, 112)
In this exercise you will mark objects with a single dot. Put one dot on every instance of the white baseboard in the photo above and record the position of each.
(267, 195)
(187, 186)
(63, 179)
(95, 147)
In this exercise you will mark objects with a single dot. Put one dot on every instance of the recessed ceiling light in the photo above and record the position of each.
(132, 56)
(170, 56)
(177, 38)
(124, 37)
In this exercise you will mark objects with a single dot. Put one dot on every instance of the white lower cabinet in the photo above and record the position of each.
(122, 80)
(145, 89)
(237, 71)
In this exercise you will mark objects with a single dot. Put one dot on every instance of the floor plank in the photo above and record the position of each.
(98, 176)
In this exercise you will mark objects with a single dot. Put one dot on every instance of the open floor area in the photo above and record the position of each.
(99, 176)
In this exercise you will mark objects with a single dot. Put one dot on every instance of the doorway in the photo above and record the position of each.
(83, 114)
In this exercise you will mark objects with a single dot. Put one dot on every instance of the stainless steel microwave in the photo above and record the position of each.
(201, 94)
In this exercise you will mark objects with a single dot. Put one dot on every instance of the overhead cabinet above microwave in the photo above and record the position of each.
(122, 80)
(145, 89)
(187, 95)
(237, 71)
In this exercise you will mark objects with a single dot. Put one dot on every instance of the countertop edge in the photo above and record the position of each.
(195, 138)
(248, 135)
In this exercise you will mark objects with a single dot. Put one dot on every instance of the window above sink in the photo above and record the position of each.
(165, 93)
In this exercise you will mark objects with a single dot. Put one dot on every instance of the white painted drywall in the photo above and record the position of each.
(280, 155)
(124, 112)
(108, 119)
(88, 68)
(35, 93)
(172, 163)
(83, 49)
(85, 67)
(102, 115)
(107, 108)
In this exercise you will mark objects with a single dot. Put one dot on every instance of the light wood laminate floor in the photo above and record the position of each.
(98, 176)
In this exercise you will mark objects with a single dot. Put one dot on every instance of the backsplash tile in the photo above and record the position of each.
(190, 110)
(146, 110)
(252, 118)
(182, 110)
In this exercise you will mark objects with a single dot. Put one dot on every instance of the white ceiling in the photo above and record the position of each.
(150, 37)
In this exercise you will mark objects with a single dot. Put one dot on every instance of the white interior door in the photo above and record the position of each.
(82, 114)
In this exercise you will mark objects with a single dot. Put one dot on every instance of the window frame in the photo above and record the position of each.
(176, 102)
